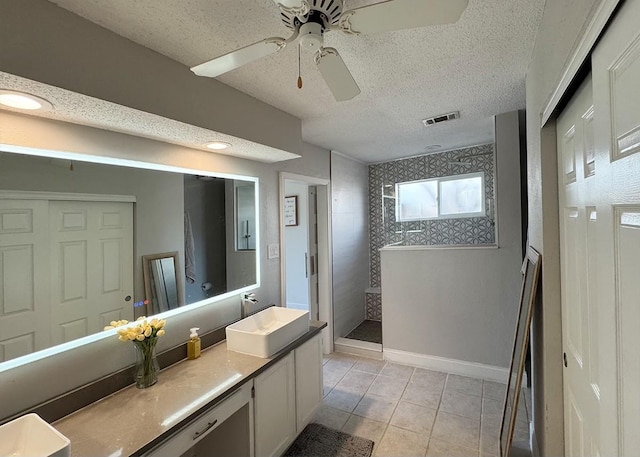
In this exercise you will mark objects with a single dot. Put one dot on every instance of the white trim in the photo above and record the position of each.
(64, 196)
(579, 55)
(360, 348)
(453, 366)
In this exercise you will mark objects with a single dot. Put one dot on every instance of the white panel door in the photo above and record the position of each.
(578, 217)
(91, 266)
(598, 138)
(616, 83)
(24, 278)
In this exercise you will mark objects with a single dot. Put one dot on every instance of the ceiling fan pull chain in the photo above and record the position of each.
(299, 76)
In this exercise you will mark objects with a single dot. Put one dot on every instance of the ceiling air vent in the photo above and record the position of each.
(441, 118)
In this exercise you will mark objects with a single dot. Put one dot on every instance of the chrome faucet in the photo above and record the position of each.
(246, 299)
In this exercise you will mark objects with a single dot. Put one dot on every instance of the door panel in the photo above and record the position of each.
(92, 266)
(24, 278)
(579, 215)
(616, 72)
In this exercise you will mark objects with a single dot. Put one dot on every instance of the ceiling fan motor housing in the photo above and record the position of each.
(324, 12)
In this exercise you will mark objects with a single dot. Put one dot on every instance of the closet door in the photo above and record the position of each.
(91, 266)
(24, 277)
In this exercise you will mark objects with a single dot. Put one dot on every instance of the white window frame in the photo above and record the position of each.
(440, 180)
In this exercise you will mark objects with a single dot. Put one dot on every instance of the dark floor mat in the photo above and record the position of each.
(370, 331)
(319, 441)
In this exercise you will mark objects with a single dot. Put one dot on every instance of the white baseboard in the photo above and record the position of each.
(453, 366)
(356, 347)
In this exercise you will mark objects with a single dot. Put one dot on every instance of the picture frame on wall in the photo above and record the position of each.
(291, 211)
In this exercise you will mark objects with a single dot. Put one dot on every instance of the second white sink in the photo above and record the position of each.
(267, 332)
(30, 436)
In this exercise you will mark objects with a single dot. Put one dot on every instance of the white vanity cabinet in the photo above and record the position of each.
(275, 408)
(287, 396)
(308, 360)
(226, 429)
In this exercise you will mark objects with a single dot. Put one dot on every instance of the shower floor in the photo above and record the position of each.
(370, 331)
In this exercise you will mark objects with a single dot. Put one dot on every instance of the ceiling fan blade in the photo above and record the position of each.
(239, 57)
(295, 7)
(401, 14)
(336, 74)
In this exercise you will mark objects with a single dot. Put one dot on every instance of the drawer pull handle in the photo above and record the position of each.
(202, 432)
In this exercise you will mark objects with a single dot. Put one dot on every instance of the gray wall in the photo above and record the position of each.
(562, 27)
(38, 381)
(461, 303)
(159, 198)
(350, 233)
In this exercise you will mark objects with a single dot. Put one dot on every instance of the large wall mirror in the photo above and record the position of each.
(75, 238)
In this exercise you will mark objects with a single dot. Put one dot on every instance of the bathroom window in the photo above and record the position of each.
(441, 198)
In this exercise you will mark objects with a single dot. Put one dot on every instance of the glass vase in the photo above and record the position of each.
(146, 369)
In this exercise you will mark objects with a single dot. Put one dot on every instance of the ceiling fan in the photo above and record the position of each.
(310, 19)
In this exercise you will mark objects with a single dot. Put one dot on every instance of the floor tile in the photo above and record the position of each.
(415, 412)
(420, 395)
(384, 386)
(369, 365)
(356, 381)
(457, 430)
(461, 404)
(331, 417)
(394, 370)
(397, 442)
(439, 448)
(491, 409)
(376, 408)
(366, 428)
(413, 417)
(469, 386)
(494, 390)
(431, 380)
(343, 399)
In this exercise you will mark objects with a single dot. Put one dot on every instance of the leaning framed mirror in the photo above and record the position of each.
(163, 284)
(531, 271)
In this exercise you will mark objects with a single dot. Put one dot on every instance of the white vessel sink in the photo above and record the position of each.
(268, 331)
(30, 436)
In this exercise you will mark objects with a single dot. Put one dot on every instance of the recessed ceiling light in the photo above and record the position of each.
(218, 145)
(433, 147)
(21, 100)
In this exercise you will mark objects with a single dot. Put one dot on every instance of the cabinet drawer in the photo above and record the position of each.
(187, 437)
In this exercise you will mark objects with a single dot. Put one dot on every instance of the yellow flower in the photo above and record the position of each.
(160, 332)
(147, 331)
(140, 337)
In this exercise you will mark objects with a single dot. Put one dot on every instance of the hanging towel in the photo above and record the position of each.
(189, 251)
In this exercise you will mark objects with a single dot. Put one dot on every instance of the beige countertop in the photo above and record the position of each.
(132, 421)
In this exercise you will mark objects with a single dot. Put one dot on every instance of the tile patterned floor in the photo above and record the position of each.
(412, 412)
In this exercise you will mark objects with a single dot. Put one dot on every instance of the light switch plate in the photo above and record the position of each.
(273, 251)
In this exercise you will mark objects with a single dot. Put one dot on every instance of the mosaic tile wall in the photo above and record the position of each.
(383, 228)
(373, 306)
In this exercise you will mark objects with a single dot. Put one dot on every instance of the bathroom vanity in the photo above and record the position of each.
(223, 403)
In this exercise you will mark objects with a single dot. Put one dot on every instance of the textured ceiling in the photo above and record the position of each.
(81, 109)
(476, 66)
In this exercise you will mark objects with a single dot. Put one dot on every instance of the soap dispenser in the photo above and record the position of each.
(193, 346)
